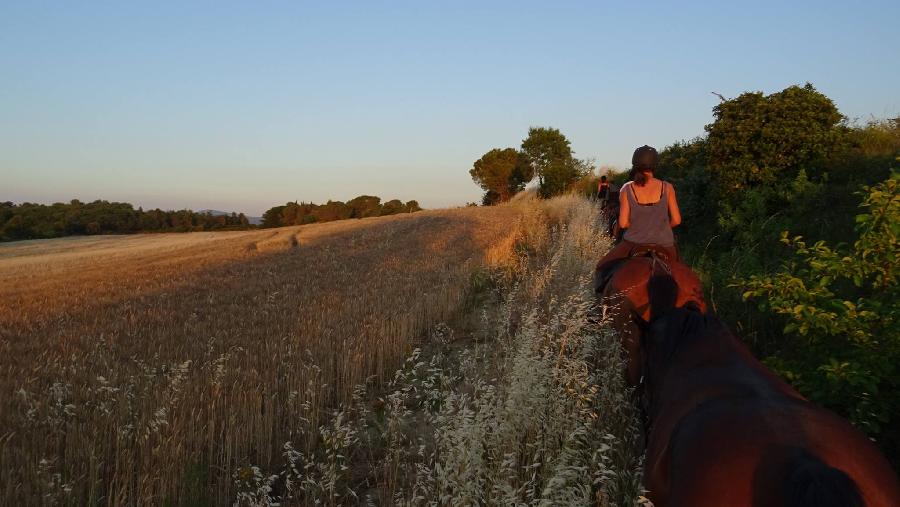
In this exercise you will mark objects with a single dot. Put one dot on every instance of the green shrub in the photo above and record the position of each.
(841, 306)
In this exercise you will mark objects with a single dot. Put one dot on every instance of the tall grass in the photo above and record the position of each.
(533, 411)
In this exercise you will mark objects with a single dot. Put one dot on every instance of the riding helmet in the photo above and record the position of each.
(645, 157)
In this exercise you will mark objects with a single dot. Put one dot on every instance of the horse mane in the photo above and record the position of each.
(663, 293)
(681, 327)
(811, 482)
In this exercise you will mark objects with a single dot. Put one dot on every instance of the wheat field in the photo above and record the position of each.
(440, 358)
(144, 369)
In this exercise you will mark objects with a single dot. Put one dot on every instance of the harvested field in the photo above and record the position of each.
(148, 368)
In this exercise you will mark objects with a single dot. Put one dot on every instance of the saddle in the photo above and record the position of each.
(604, 275)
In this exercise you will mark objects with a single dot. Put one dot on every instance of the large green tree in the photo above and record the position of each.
(501, 173)
(549, 154)
(759, 139)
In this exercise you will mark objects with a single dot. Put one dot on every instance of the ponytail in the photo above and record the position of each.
(639, 176)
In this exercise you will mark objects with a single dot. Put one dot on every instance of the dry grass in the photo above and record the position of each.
(535, 412)
(155, 369)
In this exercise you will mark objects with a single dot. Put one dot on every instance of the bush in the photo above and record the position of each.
(842, 307)
(731, 234)
(760, 139)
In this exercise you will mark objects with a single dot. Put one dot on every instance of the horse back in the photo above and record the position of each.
(630, 284)
(769, 452)
(727, 431)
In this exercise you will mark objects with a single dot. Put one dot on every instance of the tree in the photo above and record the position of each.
(332, 210)
(502, 173)
(364, 206)
(490, 198)
(549, 154)
(272, 217)
(412, 206)
(759, 139)
(392, 207)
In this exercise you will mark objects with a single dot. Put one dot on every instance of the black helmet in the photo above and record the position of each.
(645, 157)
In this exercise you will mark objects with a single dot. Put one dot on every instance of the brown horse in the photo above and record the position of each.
(724, 430)
(625, 299)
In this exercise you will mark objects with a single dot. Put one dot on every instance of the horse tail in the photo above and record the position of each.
(662, 291)
(812, 482)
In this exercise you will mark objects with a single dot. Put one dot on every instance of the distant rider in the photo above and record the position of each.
(648, 211)
(603, 191)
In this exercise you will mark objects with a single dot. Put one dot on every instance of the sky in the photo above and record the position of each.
(244, 106)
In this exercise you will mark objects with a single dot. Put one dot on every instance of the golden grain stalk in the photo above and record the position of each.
(146, 368)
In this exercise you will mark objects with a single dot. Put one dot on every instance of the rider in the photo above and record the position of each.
(648, 211)
(603, 190)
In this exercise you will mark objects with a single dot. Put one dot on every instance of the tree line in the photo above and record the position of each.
(39, 221)
(545, 153)
(364, 206)
(42, 221)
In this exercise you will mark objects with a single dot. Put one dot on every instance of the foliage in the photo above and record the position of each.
(558, 177)
(549, 153)
(392, 207)
(680, 159)
(38, 221)
(545, 153)
(299, 213)
(851, 298)
(545, 146)
(733, 233)
(412, 206)
(876, 138)
(364, 206)
(761, 139)
(502, 174)
(618, 177)
(586, 185)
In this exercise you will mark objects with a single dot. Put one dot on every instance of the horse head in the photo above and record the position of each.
(661, 337)
(641, 289)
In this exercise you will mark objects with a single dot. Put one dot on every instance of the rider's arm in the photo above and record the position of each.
(674, 212)
(624, 209)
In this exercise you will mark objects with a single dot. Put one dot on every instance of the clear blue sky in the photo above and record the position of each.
(241, 106)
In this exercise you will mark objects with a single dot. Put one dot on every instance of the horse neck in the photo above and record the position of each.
(711, 363)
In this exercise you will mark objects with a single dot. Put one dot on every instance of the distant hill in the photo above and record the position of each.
(216, 213)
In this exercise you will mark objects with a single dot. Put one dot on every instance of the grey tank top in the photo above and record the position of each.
(649, 222)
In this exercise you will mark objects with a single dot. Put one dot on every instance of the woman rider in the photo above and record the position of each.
(648, 211)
